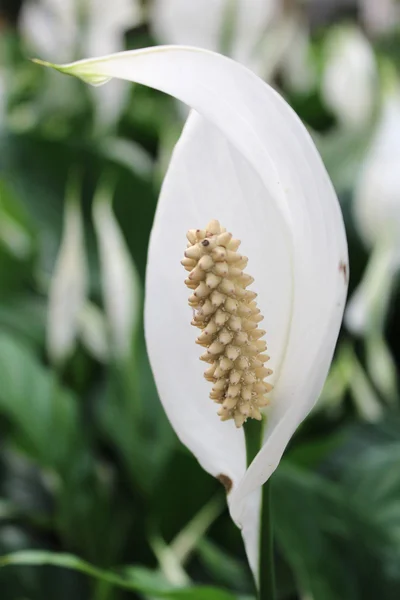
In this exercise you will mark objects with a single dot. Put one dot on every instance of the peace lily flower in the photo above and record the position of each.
(70, 314)
(377, 215)
(349, 80)
(69, 282)
(119, 279)
(245, 159)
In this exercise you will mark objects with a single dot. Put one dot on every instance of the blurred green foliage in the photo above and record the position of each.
(98, 499)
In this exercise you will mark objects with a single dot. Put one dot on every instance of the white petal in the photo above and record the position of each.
(380, 17)
(250, 528)
(110, 102)
(298, 70)
(204, 24)
(3, 97)
(107, 17)
(377, 198)
(195, 23)
(368, 306)
(120, 282)
(350, 77)
(261, 38)
(68, 286)
(107, 25)
(265, 158)
(93, 332)
(50, 27)
(208, 178)
(56, 28)
(250, 29)
(127, 153)
(13, 234)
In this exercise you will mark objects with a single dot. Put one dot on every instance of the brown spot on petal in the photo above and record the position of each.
(226, 482)
(343, 269)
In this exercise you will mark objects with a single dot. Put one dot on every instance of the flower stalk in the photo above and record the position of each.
(254, 431)
(266, 566)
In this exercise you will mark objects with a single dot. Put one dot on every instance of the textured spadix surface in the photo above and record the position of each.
(245, 159)
(228, 316)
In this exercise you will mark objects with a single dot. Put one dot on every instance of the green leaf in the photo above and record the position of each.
(373, 485)
(17, 242)
(24, 316)
(40, 168)
(121, 289)
(16, 231)
(189, 537)
(224, 568)
(309, 518)
(42, 413)
(351, 511)
(134, 579)
(364, 396)
(343, 153)
(130, 414)
(381, 367)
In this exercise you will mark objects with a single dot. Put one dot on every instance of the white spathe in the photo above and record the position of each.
(245, 159)
(68, 286)
(93, 332)
(119, 279)
(377, 216)
(377, 194)
(368, 306)
(349, 80)
(3, 98)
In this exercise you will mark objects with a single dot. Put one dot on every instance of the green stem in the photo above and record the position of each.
(266, 565)
(253, 432)
(266, 568)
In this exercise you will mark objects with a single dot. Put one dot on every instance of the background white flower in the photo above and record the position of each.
(69, 283)
(349, 81)
(377, 215)
(377, 194)
(219, 25)
(65, 29)
(380, 17)
(264, 35)
(119, 279)
(3, 98)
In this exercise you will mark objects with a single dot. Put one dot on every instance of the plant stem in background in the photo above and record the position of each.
(253, 432)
